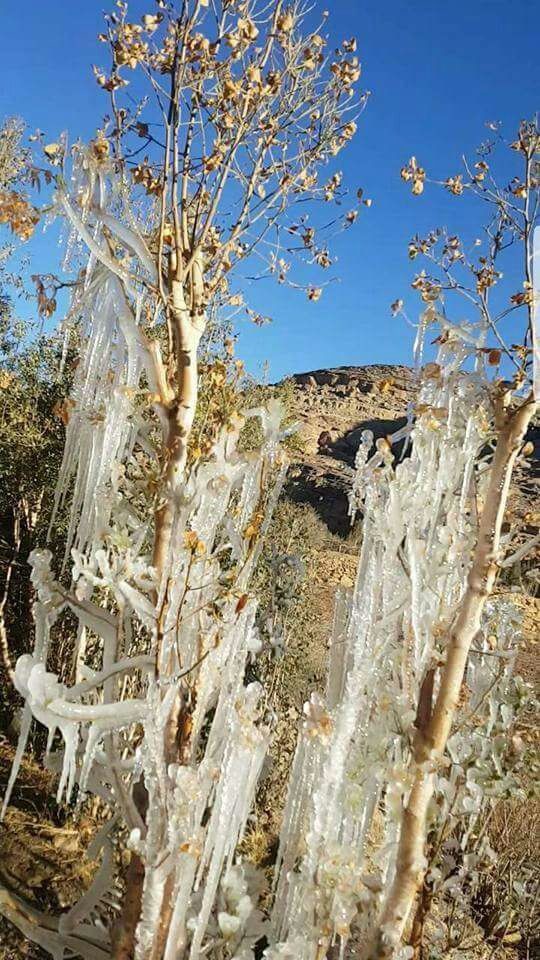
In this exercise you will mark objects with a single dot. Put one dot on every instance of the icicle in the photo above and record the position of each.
(101, 884)
(417, 537)
(133, 240)
(241, 767)
(26, 723)
(203, 621)
(93, 245)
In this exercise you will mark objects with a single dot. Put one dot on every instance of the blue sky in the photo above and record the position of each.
(436, 72)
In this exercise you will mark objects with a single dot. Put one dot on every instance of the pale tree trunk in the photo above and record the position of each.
(181, 412)
(433, 734)
(188, 327)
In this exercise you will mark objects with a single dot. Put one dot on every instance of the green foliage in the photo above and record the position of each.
(31, 444)
(31, 431)
(256, 395)
(13, 156)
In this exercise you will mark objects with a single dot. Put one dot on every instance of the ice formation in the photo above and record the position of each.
(350, 775)
(197, 810)
(350, 772)
(112, 716)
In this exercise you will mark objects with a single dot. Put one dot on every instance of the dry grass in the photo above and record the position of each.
(507, 900)
(42, 852)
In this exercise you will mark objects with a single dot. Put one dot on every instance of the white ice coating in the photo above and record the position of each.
(349, 774)
(112, 713)
(108, 305)
(197, 812)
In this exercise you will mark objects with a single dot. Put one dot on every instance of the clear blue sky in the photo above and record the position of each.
(437, 72)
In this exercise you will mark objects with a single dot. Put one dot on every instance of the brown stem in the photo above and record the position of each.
(417, 931)
(123, 935)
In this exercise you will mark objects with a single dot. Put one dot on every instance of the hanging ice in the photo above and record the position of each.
(113, 710)
(350, 771)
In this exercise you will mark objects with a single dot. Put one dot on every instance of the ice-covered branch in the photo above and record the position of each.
(354, 766)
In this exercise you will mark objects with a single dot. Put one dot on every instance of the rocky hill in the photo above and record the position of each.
(334, 406)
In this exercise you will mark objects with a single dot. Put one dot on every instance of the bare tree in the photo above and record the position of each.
(514, 215)
(381, 759)
(222, 117)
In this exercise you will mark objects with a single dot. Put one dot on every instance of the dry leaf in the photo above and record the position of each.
(241, 603)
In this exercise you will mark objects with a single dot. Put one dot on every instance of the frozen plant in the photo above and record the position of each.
(379, 763)
(156, 719)
(351, 762)
(184, 804)
(241, 109)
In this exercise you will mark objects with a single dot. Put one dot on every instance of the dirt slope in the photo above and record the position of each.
(333, 407)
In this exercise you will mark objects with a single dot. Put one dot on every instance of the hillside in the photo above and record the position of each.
(334, 406)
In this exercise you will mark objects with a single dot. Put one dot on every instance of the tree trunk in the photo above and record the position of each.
(181, 413)
(180, 416)
(423, 907)
(431, 740)
(123, 938)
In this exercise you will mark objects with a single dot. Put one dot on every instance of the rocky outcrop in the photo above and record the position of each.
(334, 406)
